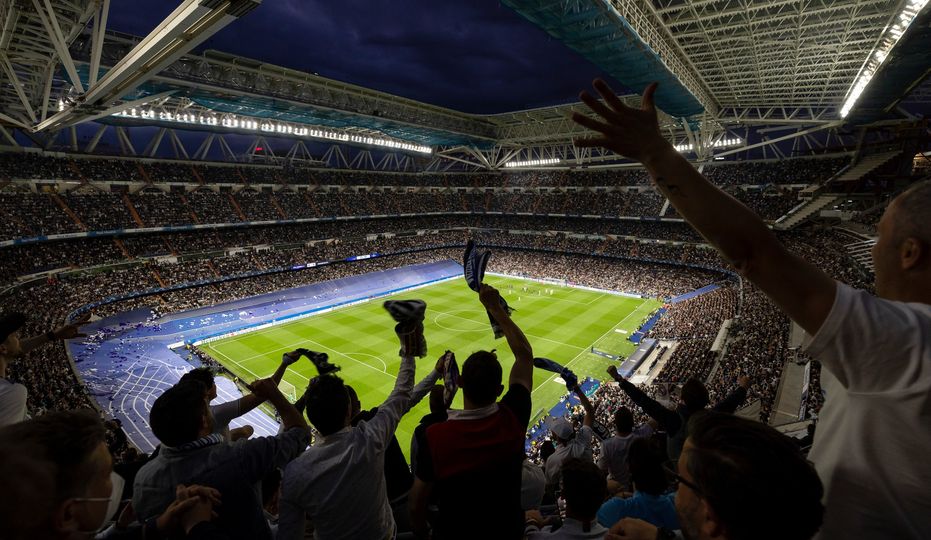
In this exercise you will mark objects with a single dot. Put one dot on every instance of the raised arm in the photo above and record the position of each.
(68, 331)
(522, 371)
(802, 291)
(587, 405)
(385, 422)
(736, 398)
(425, 385)
(267, 389)
(251, 401)
(669, 420)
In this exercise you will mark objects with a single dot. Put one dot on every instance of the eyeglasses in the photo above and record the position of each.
(678, 479)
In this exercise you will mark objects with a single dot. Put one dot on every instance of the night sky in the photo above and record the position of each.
(476, 56)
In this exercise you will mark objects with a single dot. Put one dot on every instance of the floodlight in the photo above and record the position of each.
(879, 55)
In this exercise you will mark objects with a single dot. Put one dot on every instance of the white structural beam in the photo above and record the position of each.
(771, 142)
(17, 85)
(8, 136)
(99, 34)
(156, 141)
(186, 27)
(50, 21)
(92, 144)
(10, 120)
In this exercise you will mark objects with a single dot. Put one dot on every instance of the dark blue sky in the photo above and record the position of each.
(476, 56)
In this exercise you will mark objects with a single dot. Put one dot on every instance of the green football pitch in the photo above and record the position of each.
(561, 323)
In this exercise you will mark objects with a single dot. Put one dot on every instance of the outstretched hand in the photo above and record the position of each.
(73, 330)
(192, 505)
(289, 358)
(628, 131)
(489, 297)
(612, 371)
(265, 389)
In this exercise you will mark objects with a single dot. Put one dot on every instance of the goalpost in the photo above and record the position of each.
(288, 390)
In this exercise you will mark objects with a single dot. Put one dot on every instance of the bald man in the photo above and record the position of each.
(872, 442)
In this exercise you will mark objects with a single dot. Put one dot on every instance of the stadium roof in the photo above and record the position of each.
(726, 65)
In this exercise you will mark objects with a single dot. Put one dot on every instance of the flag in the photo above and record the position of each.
(474, 262)
(545, 363)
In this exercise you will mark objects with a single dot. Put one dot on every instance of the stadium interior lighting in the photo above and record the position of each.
(879, 55)
(247, 123)
(720, 143)
(533, 163)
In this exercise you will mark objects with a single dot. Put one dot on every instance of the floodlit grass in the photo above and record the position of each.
(561, 323)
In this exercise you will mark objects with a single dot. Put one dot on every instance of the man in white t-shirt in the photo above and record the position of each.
(872, 442)
(13, 395)
(570, 444)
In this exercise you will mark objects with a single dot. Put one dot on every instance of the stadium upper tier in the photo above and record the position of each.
(49, 196)
(83, 168)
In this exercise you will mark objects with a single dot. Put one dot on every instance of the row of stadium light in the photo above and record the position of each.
(889, 40)
(272, 128)
(532, 163)
(720, 143)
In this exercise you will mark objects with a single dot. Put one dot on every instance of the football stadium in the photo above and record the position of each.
(515, 269)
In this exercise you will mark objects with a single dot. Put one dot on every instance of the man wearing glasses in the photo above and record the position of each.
(737, 479)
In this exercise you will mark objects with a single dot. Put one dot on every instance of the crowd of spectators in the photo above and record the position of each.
(697, 317)
(584, 271)
(342, 193)
(46, 167)
(33, 258)
(802, 171)
(756, 350)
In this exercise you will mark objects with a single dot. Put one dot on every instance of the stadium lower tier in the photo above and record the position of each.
(49, 376)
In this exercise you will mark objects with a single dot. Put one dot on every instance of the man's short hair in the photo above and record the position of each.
(327, 403)
(177, 415)
(645, 459)
(480, 379)
(694, 395)
(202, 375)
(66, 439)
(913, 208)
(583, 486)
(623, 420)
(437, 399)
(747, 471)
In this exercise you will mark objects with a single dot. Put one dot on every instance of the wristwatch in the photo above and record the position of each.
(663, 533)
(50, 336)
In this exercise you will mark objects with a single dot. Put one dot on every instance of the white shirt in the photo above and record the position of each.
(339, 482)
(579, 446)
(223, 414)
(12, 403)
(872, 447)
(532, 486)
